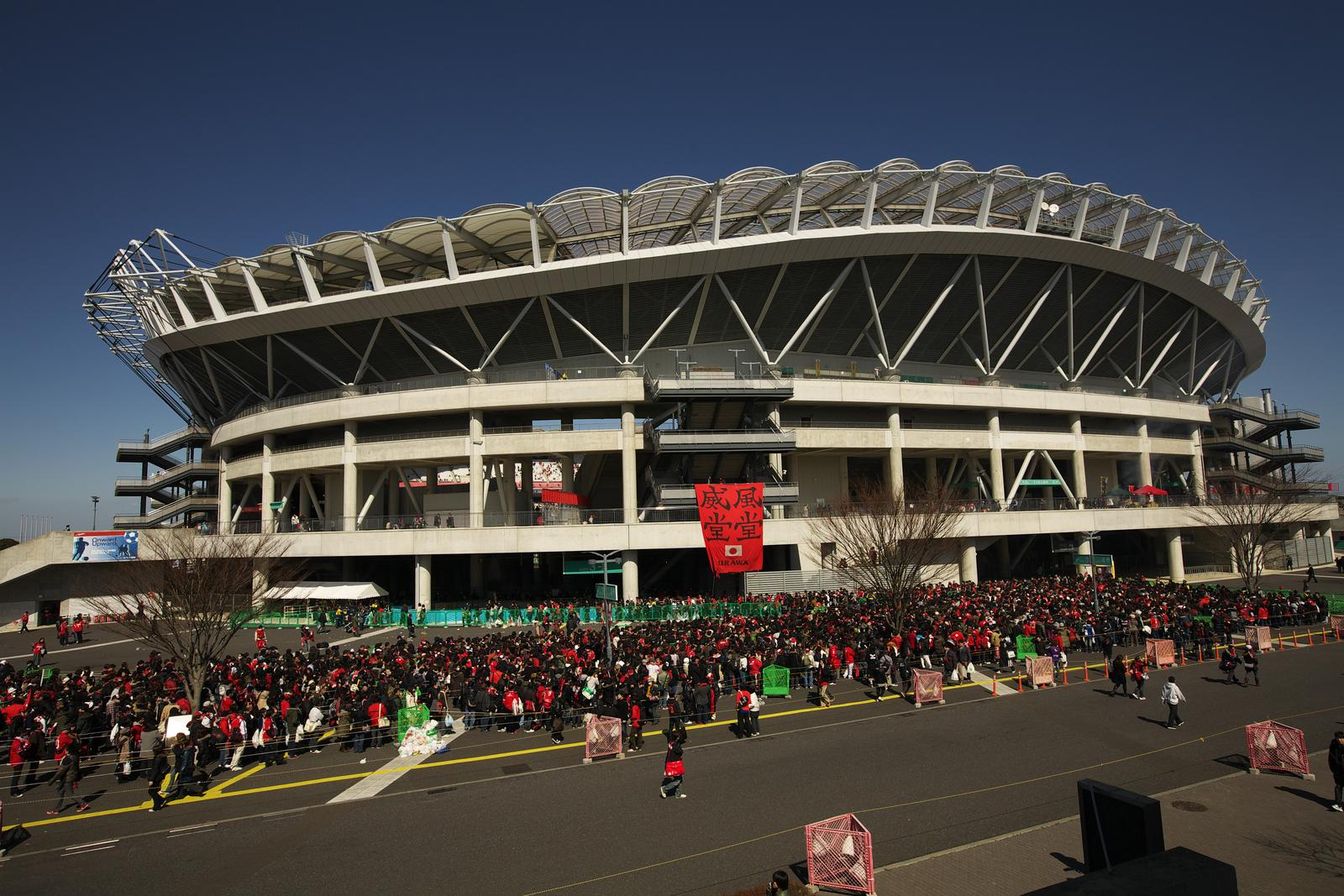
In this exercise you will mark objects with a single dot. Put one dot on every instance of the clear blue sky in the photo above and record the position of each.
(234, 125)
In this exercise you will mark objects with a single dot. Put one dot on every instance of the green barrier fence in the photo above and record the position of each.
(775, 681)
(1025, 647)
(410, 717)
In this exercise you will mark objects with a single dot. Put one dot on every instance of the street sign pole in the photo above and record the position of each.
(605, 558)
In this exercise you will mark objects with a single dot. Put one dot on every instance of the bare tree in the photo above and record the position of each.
(189, 595)
(884, 542)
(1244, 526)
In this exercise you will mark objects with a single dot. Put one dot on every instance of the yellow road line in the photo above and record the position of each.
(219, 792)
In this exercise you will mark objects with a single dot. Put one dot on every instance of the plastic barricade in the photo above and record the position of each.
(1276, 747)
(410, 717)
(1026, 648)
(840, 855)
(1337, 626)
(1258, 637)
(1041, 671)
(1161, 653)
(602, 737)
(928, 686)
(775, 681)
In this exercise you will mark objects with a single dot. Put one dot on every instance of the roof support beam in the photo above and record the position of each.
(582, 329)
(695, 287)
(816, 309)
(368, 350)
(314, 364)
(258, 300)
(885, 354)
(742, 319)
(490, 355)
(306, 275)
(1157, 362)
(1101, 340)
(882, 305)
(449, 254)
(1040, 300)
(371, 263)
(928, 315)
(989, 297)
(408, 329)
(396, 325)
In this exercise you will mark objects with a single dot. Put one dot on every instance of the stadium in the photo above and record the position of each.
(455, 406)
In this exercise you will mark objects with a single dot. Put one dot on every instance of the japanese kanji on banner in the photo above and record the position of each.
(730, 519)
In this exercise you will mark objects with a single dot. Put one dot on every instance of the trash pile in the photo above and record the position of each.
(424, 740)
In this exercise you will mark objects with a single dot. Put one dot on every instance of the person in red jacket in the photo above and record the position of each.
(674, 770)
(261, 639)
(78, 628)
(19, 751)
(636, 727)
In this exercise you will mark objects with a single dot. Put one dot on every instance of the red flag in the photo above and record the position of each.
(730, 520)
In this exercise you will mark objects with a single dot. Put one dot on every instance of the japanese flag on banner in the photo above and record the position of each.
(730, 520)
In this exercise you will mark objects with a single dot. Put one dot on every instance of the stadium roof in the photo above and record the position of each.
(164, 284)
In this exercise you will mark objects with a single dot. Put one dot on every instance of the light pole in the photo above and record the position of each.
(605, 558)
(1092, 539)
(95, 499)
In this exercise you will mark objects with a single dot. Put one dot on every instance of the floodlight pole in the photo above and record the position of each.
(95, 499)
(605, 557)
(1092, 539)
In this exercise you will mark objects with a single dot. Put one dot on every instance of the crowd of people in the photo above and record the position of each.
(270, 705)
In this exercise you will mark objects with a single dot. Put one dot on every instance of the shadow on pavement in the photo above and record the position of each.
(1307, 795)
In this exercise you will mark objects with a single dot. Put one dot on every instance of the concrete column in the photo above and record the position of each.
(776, 461)
(895, 456)
(422, 581)
(931, 471)
(305, 503)
(629, 480)
(508, 488)
(1079, 459)
(995, 455)
(1145, 454)
(267, 484)
(476, 473)
(224, 516)
(968, 567)
(629, 575)
(525, 487)
(1197, 487)
(260, 584)
(1175, 556)
(349, 478)
(567, 472)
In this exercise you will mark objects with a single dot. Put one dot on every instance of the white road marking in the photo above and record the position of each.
(383, 778)
(987, 682)
(371, 633)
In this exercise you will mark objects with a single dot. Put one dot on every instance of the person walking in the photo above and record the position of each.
(674, 770)
(1138, 670)
(66, 779)
(754, 710)
(1250, 661)
(1117, 676)
(1311, 577)
(1336, 762)
(1173, 698)
(23, 622)
(19, 755)
(1227, 664)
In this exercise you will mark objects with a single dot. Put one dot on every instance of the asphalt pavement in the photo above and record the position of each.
(514, 814)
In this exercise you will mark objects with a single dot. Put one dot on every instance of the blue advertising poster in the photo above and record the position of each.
(111, 545)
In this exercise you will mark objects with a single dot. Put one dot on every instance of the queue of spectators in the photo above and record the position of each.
(270, 705)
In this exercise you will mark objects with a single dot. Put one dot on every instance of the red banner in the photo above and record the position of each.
(730, 519)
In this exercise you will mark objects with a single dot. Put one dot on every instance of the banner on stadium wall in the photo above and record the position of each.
(112, 545)
(730, 520)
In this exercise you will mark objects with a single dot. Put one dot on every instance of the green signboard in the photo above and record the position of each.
(592, 567)
(277, 505)
(607, 591)
(1093, 560)
(1041, 482)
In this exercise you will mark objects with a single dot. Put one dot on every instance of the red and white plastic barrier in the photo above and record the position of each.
(1041, 671)
(1279, 748)
(1161, 653)
(840, 854)
(1258, 637)
(602, 737)
(928, 687)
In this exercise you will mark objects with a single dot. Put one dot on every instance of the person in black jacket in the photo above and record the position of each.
(1250, 661)
(1336, 763)
(1117, 675)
